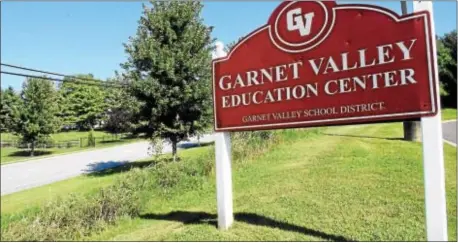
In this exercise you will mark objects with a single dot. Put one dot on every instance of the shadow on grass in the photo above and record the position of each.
(114, 167)
(249, 218)
(104, 168)
(119, 140)
(26, 153)
(361, 136)
(188, 145)
(110, 141)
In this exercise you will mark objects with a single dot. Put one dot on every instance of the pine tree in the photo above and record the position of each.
(37, 119)
(169, 66)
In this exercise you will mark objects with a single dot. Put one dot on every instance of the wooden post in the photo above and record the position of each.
(223, 168)
(412, 129)
(433, 154)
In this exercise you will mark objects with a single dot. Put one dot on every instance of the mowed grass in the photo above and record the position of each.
(36, 197)
(448, 114)
(359, 183)
(11, 154)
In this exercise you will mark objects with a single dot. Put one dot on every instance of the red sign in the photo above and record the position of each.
(320, 63)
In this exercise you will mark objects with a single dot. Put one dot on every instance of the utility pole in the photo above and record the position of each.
(412, 129)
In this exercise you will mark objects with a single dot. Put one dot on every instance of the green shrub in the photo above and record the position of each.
(76, 216)
(245, 145)
(168, 175)
(91, 139)
(191, 174)
(156, 147)
(186, 175)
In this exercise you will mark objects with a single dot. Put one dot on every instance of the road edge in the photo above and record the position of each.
(446, 141)
(67, 153)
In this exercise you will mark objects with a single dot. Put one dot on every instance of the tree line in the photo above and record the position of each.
(446, 58)
(164, 85)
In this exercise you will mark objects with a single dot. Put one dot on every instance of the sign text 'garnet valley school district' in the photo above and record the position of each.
(321, 63)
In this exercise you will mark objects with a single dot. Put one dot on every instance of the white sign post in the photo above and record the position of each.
(223, 168)
(433, 155)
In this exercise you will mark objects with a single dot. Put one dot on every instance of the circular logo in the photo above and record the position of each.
(300, 23)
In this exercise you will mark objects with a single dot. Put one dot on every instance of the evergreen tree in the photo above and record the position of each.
(231, 45)
(9, 109)
(170, 67)
(38, 112)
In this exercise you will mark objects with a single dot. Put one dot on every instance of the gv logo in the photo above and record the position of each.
(299, 26)
(295, 21)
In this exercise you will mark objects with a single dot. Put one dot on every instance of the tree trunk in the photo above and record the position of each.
(32, 150)
(174, 150)
(412, 131)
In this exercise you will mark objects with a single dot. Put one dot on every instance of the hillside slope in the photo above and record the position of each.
(358, 183)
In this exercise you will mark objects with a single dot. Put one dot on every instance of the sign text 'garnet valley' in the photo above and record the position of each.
(384, 54)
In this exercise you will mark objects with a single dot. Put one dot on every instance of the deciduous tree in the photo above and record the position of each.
(446, 51)
(38, 111)
(122, 107)
(82, 104)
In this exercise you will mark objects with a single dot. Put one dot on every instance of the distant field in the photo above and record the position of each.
(62, 136)
(103, 139)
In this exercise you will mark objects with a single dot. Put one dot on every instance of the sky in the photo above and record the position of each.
(87, 37)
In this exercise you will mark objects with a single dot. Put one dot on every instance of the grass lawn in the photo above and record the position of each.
(448, 114)
(359, 183)
(11, 155)
(16, 202)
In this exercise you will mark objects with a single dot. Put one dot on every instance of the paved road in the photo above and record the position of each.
(24, 175)
(449, 131)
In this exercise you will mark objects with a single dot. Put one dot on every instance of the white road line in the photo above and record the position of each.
(448, 121)
(448, 142)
